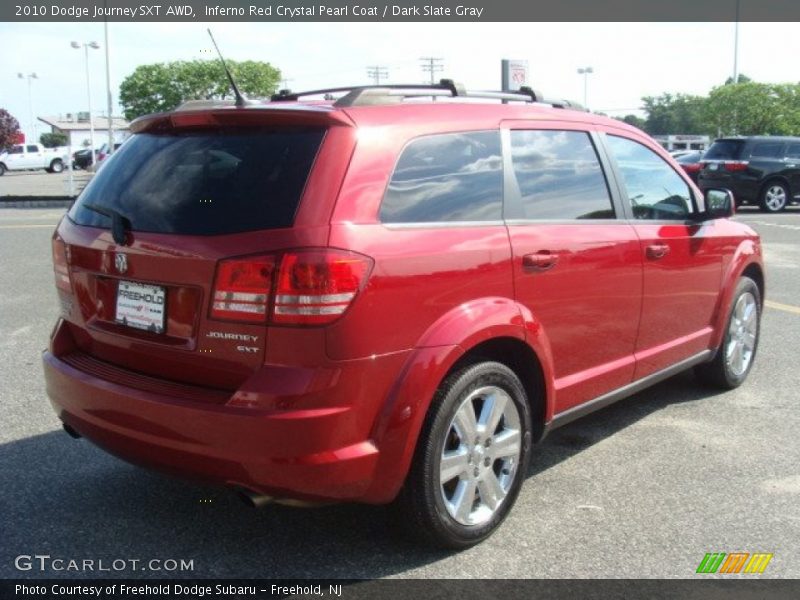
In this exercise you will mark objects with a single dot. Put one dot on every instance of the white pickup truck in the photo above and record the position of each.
(26, 157)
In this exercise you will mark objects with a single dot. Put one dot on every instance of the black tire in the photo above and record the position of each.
(420, 509)
(774, 197)
(722, 372)
(2, 169)
(57, 166)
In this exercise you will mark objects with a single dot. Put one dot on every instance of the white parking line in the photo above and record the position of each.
(780, 225)
(784, 307)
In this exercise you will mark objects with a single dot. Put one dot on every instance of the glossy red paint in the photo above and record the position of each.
(334, 411)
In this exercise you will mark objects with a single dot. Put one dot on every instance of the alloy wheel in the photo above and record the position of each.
(742, 334)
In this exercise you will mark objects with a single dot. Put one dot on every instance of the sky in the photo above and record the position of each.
(630, 60)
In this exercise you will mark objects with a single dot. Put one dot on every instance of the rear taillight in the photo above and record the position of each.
(734, 166)
(60, 265)
(316, 287)
(692, 168)
(310, 287)
(242, 289)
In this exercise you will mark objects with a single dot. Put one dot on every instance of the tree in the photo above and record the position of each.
(742, 78)
(53, 140)
(633, 120)
(754, 109)
(9, 129)
(163, 86)
(668, 114)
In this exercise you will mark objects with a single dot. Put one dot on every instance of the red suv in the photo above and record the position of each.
(386, 298)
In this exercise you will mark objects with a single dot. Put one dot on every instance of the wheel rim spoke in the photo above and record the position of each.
(454, 464)
(464, 499)
(506, 444)
(491, 491)
(465, 422)
(492, 412)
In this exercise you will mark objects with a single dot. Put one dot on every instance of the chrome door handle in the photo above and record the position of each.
(539, 261)
(656, 251)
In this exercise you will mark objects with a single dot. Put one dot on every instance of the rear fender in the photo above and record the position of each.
(398, 426)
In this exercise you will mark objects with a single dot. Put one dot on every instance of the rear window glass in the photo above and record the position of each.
(449, 177)
(725, 150)
(203, 182)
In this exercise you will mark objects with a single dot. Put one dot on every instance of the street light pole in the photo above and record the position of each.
(108, 96)
(736, 47)
(86, 46)
(585, 71)
(30, 77)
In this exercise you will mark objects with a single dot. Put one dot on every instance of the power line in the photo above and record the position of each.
(430, 64)
(377, 73)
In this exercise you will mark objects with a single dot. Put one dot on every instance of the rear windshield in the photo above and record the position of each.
(203, 182)
(725, 150)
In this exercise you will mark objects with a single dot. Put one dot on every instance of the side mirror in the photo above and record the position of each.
(719, 204)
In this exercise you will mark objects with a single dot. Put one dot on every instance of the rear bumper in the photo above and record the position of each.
(318, 452)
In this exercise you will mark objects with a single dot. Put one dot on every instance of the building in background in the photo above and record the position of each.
(683, 142)
(76, 127)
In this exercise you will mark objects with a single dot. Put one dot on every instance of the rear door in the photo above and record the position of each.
(682, 257)
(198, 205)
(576, 264)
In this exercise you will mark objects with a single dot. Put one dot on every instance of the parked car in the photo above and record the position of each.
(690, 162)
(383, 301)
(82, 159)
(763, 170)
(32, 157)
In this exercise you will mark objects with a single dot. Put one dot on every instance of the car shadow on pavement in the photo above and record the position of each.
(574, 437)
(68, 499)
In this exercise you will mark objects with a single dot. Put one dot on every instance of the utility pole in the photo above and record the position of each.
(432, 65)
(108, 93)
(377, 73)
(736, 47)
(285, 83)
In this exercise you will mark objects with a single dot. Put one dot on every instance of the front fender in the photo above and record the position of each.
(748, 253)
(400, 422)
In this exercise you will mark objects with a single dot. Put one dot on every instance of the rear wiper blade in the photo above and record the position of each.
(120, 224)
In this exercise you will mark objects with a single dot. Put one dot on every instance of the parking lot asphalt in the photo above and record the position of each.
(42, 183)
(644, 488)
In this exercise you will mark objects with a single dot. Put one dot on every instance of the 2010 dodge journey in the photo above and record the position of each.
(386, 298)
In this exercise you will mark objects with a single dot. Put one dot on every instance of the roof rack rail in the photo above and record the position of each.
(369, 95)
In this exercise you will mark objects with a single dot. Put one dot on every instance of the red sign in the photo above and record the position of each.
(18, 138)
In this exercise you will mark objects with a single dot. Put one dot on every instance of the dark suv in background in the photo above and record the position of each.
(763, 170)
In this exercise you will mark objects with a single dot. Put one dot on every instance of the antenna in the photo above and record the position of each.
(240, 100)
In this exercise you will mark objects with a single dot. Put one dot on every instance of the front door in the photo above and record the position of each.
(576, 263)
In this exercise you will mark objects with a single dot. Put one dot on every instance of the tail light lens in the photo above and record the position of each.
(734, 166)
(316, 287)
(242, 288)
(304, 287)
(60, 265)
(692, 168)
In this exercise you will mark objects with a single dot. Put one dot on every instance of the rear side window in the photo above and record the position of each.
(207, 182)
(447, 178)
(725, 150)
(15, 150)
(767, 150)
(559, 176)
(793, 151)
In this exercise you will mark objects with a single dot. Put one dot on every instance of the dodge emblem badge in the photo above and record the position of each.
(121, 262)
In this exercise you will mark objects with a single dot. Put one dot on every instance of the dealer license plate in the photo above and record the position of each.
(141, 306)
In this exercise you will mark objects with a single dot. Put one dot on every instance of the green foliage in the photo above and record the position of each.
(679, 113)
(754, 109)
(53, 140)
(742, 79)
(744, 108)
(163, 86)
(633, 120)
(9, 128)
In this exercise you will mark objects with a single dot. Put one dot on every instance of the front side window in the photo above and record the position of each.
(559, 176)
(447, 178)
(33, 149)
(655, 190)
(793, 151)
